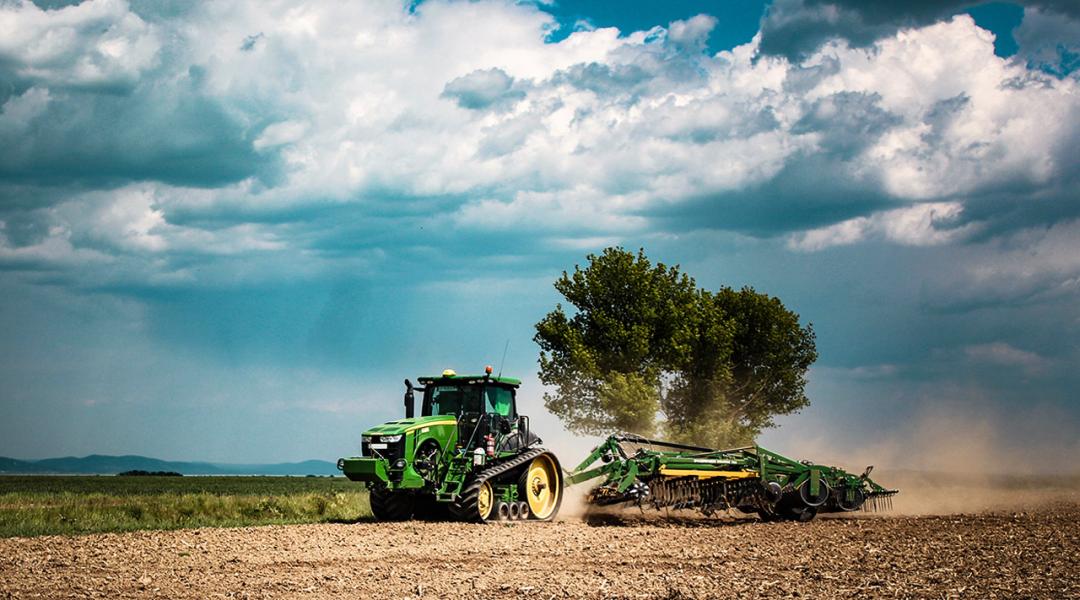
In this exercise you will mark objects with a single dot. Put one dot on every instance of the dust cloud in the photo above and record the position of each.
(574, 506)
(964, 458)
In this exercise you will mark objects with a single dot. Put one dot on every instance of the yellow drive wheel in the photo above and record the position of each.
(485, 500)
(542, 485)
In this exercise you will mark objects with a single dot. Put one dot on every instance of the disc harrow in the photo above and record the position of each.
(663, 475)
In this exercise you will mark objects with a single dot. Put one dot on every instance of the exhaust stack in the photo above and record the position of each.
(408, 399)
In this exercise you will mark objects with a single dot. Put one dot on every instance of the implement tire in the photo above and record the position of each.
(391, 506)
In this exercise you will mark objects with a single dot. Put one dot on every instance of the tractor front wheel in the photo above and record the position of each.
(391, 506)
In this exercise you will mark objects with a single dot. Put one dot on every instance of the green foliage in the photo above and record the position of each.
(630, 400)
(48, 505)
(625, 332)
(643, 340)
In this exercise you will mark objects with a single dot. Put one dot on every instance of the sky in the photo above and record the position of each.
(228, 231)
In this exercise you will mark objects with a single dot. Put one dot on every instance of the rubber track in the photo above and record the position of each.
(465, 508)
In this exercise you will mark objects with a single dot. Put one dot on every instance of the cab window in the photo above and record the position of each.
(500, 400)
(454, 399)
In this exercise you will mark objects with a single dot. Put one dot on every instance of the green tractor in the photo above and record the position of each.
(469, 456)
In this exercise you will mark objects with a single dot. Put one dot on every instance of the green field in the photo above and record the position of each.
(47, 505)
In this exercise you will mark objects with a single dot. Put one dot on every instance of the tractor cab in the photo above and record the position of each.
(482, 404)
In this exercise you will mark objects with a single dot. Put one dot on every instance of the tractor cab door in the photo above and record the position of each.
(500, 401)
(462, 401)
(502, 405)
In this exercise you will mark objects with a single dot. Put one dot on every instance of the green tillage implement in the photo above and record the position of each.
(655, 474)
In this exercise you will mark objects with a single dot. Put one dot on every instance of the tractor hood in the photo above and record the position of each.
(404, 425)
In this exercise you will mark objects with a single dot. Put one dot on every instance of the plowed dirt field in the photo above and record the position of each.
(992, 555)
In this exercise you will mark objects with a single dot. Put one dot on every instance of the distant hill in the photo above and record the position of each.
(97, 464)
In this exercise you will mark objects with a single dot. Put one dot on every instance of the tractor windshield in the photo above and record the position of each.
(452, 400)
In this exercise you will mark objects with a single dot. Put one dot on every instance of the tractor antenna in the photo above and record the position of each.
(503, 361)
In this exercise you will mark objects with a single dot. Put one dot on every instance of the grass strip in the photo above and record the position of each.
(49, 505)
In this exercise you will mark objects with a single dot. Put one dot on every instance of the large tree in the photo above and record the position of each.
(644, 350)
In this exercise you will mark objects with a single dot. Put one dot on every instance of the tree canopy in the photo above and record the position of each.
(645, 350)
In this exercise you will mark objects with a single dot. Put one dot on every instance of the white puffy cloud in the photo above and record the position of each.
(693, 33)
(95, 44)
(927, 224)
(970, 120)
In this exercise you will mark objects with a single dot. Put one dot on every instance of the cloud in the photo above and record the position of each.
(482, 89)
(847, 122)
(279, 134)
(98, 45)
(1001, 354)
(1048, 40)
(1036, 265)
(796, 29)
(919, 225)
(691, 35)
(326, 131)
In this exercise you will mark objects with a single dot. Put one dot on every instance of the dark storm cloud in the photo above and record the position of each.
(1049, 42)
(93, 94)
(169, 135)
(796, 28)
(780, 205)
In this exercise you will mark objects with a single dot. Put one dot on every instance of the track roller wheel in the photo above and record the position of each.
(391, 506)
(542, 486)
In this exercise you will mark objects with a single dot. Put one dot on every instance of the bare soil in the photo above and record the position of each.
(1032, 554)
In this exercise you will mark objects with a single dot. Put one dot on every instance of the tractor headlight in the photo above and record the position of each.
(391, 439)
